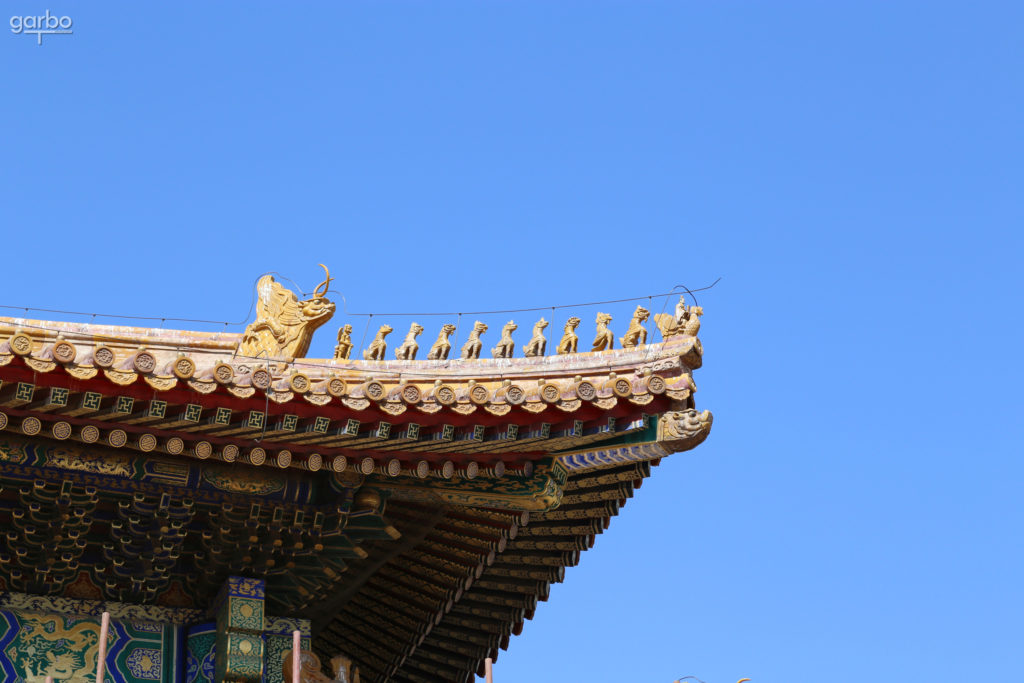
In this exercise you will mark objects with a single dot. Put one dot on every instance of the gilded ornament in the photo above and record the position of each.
(471, 349)
(549, 392)
(441, 347)
(147, 443)
(604, 339)
(692, 324)
(89, 434)
(40, 365)
(103, 356)
(202, 450)
(620, 386)
(343, 349)
(498, 409)
(411, 394)
(299, 383)
(61, 430)
(569, 339)
(284, 325)
(20, 343)
(120, 378)
(393, 408)
(374, 390)
(3, 421)
(161, 383)
(637, 333)
(261, 378)
(31, 426)
(464, 408)
(174, 445)
(314, 462)
(81, 372)
(355, 403)
(478, 394)
(378, 347)
(585, 390)
(183, 367)
(506, 348)
(284, 458)
(229, 453)
(655, 384)
(538, 342)
(336, 387)
(681, 430)
(223, 373)
(366, 466)
(444, 394)
(143, 361)
(515, 394)
(256, 456)
(240, 392)
(409, 347)
(64, 351)
(569, 406)
(117, 438)
(339, 463)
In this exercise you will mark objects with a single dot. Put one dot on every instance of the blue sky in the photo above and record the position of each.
(851, 170)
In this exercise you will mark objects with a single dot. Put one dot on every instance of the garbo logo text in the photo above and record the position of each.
(43, 25)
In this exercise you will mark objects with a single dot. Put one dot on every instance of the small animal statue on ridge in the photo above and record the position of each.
(284, 325)
(537, 343)
(569, 338)
(692, 325)
(506, 347)
(409, 347)
(441, 347)
(686, 320)
(604, 339)
(378, 347)
(636, 334)
(471, 349)
(343, 351)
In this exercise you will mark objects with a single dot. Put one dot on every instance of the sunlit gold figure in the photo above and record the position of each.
(343, 350)
(604, 339)
(538, 343)
(441, 347)
(284, 325)
(506, 347)
(409, 347)
(471, 349)
(637, 333)
(378, 347)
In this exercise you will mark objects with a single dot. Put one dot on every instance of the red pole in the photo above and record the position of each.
(489, 670)
(296, 661)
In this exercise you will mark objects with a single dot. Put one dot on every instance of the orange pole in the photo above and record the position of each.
(489, 670)
(101, 660)
(296, 661)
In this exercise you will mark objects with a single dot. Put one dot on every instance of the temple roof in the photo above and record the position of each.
(414, 510)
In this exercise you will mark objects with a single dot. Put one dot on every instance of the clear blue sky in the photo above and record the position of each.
(852, 171)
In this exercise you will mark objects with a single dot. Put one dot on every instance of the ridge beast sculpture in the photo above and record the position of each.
(441, 347)
(506, 347)
(636, 334)
(284, 325)
(686, 320)
(378, 347)
(471, 349)
(604, 339)
(409, 347)
(343, 350)
(569, 339)
(538, 343)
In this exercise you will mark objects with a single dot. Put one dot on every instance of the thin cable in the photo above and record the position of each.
(252, 304)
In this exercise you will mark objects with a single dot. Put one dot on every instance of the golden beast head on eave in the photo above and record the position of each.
(284, 325)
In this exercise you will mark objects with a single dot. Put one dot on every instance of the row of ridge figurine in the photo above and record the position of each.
(686, 321)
